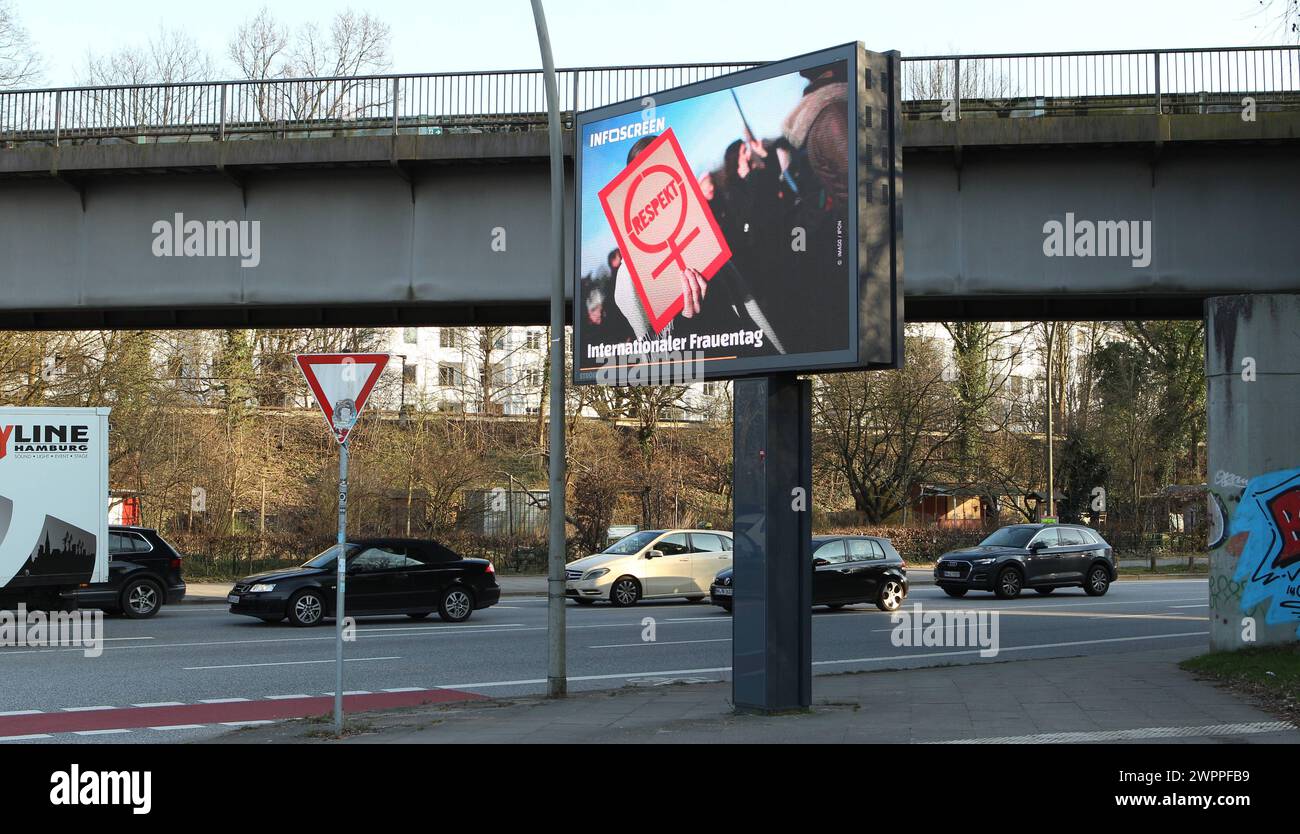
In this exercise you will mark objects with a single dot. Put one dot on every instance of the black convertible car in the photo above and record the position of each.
(846, 570)
(385, 576)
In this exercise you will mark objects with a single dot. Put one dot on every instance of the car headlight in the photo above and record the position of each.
(988, 561)
(261, 589)
(595, 574)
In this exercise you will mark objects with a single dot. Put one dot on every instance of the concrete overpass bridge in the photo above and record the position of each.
(378, 200)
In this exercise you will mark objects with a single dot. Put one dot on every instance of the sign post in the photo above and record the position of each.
(341, 384)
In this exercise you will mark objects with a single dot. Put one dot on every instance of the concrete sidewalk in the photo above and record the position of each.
(1131, 697)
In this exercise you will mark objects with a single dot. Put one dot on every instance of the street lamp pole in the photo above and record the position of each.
(556, 674)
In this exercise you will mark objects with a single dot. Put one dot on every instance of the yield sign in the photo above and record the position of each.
(341, 383)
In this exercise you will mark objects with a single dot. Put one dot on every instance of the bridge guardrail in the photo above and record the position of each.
(934, 87)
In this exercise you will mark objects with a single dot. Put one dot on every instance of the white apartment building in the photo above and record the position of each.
(443, 368)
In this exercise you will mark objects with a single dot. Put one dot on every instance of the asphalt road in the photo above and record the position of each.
(197, 670)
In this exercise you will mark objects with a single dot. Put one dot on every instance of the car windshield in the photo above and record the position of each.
(1010, 537)
(325, 559)
(631, 544)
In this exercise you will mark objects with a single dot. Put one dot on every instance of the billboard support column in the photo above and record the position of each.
(772, 526)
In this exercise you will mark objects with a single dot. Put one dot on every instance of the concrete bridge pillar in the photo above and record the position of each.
(1252, 367)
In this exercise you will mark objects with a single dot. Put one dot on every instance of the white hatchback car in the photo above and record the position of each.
(650, 564)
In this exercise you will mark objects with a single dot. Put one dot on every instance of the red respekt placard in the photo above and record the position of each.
(663, 226)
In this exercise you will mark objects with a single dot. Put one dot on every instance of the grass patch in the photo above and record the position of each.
(1268, 674)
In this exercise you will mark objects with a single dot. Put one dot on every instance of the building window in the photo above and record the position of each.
(408, 374)
(448, 376)
(410, 335)
(534, 341)
(447, 337)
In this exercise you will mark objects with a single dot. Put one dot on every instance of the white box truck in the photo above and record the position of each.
(53, 501)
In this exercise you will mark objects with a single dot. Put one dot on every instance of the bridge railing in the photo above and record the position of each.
(1172, 81)
(951, 86)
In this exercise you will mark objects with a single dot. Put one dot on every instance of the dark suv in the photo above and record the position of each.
(144, 573)
(1039, 556)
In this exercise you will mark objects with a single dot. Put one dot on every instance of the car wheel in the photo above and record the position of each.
(891, 595)
(141, 599)
(1044, 591)
(694, 599)
(419, 615)
(1098, 582)
(1008, 584)
(955, 592)
(306, 608)
(625, 591)
(457, 604)
(581, 601)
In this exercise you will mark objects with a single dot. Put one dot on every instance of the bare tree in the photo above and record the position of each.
(1282, 16)
(264, 48)
(170, 57)
(19, 63)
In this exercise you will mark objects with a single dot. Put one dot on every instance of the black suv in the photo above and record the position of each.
(1039, 556)
(144, 573)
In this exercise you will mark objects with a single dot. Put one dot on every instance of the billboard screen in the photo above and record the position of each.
(744, 225)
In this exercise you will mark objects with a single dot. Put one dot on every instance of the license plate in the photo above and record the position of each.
(953, 573)
(232, 598)
(724, 592)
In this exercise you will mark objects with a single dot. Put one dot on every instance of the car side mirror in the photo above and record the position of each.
(654, 554)
(1038, 545)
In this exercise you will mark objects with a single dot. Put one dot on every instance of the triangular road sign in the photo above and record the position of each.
(341, 383)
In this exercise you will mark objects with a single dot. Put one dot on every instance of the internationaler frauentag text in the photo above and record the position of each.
(696, 341)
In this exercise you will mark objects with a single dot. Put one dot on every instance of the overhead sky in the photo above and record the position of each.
(456, 35)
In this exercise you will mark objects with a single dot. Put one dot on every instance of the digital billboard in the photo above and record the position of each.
(745, 225)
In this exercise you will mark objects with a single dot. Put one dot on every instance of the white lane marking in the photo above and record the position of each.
(348, 692)
(85, 709)
(720, 618)
(22, 712)
(244, 723)
(180, 727)
(282, 663)
(625, 675)
(285, 697)
(1200, 605)
(660, 643)
(161, 704)
(406, 689)
(436, 628)
(26, 737)
(1212, 730)
(222, 700)
(98, 732)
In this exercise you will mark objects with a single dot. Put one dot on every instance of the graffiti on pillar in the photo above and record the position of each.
(1264, 536)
